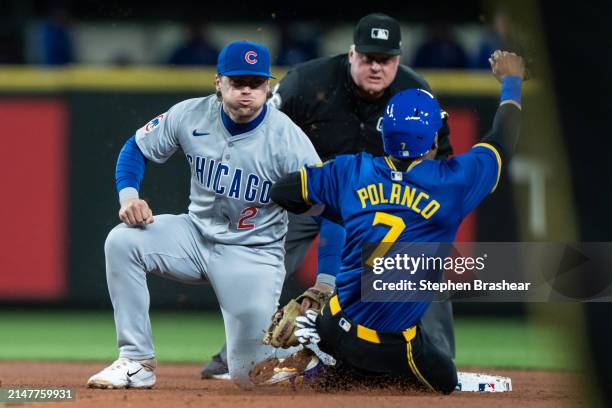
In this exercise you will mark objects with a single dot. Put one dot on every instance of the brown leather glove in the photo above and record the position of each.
(280, 332)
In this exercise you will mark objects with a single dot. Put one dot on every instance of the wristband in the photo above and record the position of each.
(511, 89)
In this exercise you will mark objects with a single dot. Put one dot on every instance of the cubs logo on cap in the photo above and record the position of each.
(250, 57)
(244, 58)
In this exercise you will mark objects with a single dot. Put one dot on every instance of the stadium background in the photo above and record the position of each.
(81, 110)
(63, 127)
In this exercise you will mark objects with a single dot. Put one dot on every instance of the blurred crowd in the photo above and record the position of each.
(52, 42)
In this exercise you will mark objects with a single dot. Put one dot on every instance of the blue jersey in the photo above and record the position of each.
(425, 203)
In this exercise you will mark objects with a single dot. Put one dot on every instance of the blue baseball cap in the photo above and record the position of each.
(244, 58)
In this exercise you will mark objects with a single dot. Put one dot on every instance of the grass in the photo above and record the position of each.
(184, 337)
(195, 337)
(512, 343)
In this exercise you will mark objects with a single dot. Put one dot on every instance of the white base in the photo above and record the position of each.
(475, 382)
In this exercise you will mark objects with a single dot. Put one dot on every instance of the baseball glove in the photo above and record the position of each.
(281, 332)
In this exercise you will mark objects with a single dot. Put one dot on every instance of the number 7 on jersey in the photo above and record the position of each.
(396, 226)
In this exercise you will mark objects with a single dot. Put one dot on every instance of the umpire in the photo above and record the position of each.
(339, 103)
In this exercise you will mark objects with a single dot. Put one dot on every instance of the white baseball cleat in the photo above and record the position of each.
(224, 376)
(125, 373)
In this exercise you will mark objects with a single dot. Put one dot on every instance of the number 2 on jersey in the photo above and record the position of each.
(247, 214)
(396, 225)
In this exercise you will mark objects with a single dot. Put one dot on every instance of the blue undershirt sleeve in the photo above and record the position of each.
(331, 243)
(130, 166)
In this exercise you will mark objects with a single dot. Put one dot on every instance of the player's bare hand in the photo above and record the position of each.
(504, 63)
(136, 212)
(308, 303)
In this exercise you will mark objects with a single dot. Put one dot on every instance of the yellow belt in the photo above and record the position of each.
(363, 332)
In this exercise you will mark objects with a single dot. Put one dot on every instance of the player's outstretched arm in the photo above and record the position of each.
(128, 176)
(482, 165)
(509, 69)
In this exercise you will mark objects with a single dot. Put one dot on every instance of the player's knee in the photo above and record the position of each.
(119, 243)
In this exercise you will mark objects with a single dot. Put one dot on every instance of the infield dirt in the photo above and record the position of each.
(181, 386)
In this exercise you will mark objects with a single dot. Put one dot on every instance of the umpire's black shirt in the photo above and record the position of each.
(321, 97)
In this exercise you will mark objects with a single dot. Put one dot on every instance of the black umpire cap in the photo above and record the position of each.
(379, 33)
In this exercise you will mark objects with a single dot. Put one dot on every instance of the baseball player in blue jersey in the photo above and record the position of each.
(401, 197)
(237, 145)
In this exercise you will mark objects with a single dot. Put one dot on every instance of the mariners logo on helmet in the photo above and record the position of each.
(250, 57)
(410, 123)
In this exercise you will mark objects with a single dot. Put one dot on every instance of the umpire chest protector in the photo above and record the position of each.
(322, 98)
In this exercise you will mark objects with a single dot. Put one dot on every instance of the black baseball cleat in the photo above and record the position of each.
(216, 369)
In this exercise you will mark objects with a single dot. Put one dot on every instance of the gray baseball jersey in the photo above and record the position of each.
(231, 176)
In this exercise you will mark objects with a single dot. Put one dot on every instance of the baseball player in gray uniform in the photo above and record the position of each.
(237, 146)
